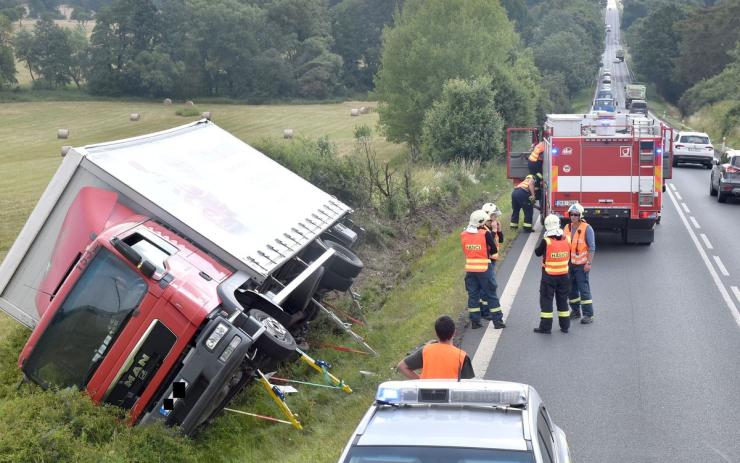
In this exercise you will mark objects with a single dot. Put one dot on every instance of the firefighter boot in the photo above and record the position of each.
(564, 321)
(545, 326)
(575, 308)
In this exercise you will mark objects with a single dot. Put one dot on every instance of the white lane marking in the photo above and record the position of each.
(721, 266)
(678, 195)
(673, 187)
(706, 241)
(486, 348)
(693, 221)
(685, 207)
(721, 287)
(736, 292)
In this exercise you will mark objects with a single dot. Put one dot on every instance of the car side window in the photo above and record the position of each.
(544, 435)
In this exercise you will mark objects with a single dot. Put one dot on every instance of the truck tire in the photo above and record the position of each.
(344, 262)
(276, 342)
(333, 281)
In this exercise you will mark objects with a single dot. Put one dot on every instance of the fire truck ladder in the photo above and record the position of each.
(645, 136)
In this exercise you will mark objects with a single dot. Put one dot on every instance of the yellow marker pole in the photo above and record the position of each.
(279, 401)
(316, 366)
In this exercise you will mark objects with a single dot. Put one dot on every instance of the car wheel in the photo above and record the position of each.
(675, 163)
(708, 166)
(721, 197)
(276, 342)
(712, 190)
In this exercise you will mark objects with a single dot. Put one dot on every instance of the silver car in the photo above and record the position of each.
(724, 181)
(440, 421)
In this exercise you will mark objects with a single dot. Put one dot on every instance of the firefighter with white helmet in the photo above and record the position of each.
(494, 227)
(555, 251)
(479, 248)
(582, 249)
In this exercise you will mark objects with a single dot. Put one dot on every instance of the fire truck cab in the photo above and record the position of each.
(614, 165)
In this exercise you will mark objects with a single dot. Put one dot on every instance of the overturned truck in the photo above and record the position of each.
(184, 257)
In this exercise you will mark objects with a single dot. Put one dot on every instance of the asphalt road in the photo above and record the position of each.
(656, 378)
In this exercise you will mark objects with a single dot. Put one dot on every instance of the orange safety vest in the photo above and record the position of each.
(441, 361)
(557, 255)
(578, 245)
(536, 153)
(476, 251)
(524, 184)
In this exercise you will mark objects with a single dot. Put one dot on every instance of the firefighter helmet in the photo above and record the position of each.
(576, 207)
(478, 218)
(552, 225)
(491, 209)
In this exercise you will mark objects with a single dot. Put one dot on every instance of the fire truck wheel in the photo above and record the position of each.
(276, 341)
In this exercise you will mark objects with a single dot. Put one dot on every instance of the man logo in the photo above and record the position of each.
(566, 168)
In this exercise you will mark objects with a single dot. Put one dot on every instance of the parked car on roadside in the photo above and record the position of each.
(430, 421)
(693, 147)
(724, 181)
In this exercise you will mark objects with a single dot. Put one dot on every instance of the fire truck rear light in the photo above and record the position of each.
(659, 151)
(648, 215)
(646, 199)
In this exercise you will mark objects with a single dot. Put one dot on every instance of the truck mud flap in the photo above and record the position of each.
(639, 236)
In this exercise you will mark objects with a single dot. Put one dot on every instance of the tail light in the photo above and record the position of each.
(678, 146)
(710, 147)
(648, 215)
(732, 170)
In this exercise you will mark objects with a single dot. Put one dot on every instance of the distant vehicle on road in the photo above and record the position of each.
(634, 91)
(620, 54)
(608, 28)
(425, 421)
(607, 87)
(604, 94)
(604, 104)
(724, 181)
(693, 147)
(606, 79)
(639, 107)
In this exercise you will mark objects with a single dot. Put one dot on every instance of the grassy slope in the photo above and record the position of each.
(29, 153)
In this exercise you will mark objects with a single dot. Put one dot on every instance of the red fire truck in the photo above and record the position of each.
(614, 165)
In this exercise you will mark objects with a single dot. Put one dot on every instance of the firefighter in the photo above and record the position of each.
(534, 162)
(582, 249)
(494, 227)
(555, 249)
(439, 360)
(479, 247)
(523, 197)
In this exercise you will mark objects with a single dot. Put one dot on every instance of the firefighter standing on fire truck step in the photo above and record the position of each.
(479, 248)
(534, 162)
(582, 249)
(555, 249)
(523, 197)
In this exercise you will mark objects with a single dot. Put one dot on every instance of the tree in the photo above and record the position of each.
(52, 52)
(565, 54)
(357, 27)
(7, 64)
(433, 41)
(24, 43)
(82, 16)
(464, 122)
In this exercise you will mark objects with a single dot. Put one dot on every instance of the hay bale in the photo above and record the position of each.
(206, 115)
(354, 112)
(63, 134)
(287, 133)
(364, 110)
(189, 103)
(134, 117)
(65, 150)
(167, 102)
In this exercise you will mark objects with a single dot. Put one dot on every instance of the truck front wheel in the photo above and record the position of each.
(276, 342)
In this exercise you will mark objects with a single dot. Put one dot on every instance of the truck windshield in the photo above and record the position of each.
(87, 323)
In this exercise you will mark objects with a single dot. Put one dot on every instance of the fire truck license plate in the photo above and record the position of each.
(564, 202)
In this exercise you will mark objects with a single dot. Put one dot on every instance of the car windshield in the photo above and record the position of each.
(698, 139)
(735, 161)
(638, 104)
(87, 323)
(373, 454)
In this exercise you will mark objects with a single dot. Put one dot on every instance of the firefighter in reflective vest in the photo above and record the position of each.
(494, 227)
(534, 162)
(555, 249)
(582, 249)
(439, 360)
(479, 247)
(523, 198)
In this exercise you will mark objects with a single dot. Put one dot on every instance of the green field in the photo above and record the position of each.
(30, 151)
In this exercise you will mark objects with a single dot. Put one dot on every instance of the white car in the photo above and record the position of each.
(693, 147)
(607, 87)
(432, 421)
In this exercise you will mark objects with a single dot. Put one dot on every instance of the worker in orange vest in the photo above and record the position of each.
(523, 198)
(555, 249)
(439, 360)
(479, 248)
(534, 162)
(582, 249)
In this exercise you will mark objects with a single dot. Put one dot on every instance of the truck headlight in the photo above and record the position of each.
(216, 336)
(235, 341)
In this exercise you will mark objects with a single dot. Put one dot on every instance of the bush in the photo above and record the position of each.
(463, 123)
(188, 112)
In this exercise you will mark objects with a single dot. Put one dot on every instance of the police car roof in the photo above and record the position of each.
(452, 423)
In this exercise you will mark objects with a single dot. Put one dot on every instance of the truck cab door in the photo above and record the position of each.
(519, 143)
(667, 136)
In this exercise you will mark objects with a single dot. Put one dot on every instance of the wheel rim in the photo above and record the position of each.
(275, 328)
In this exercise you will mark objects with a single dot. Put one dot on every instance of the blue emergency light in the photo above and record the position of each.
(554, 150)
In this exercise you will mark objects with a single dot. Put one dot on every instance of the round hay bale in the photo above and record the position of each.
(167, 101)
(354, 112)
(63, 134)
(287, 133)
(364, 110)
(134, 116)
(189, 103)
(206, 115)
(65, 150)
